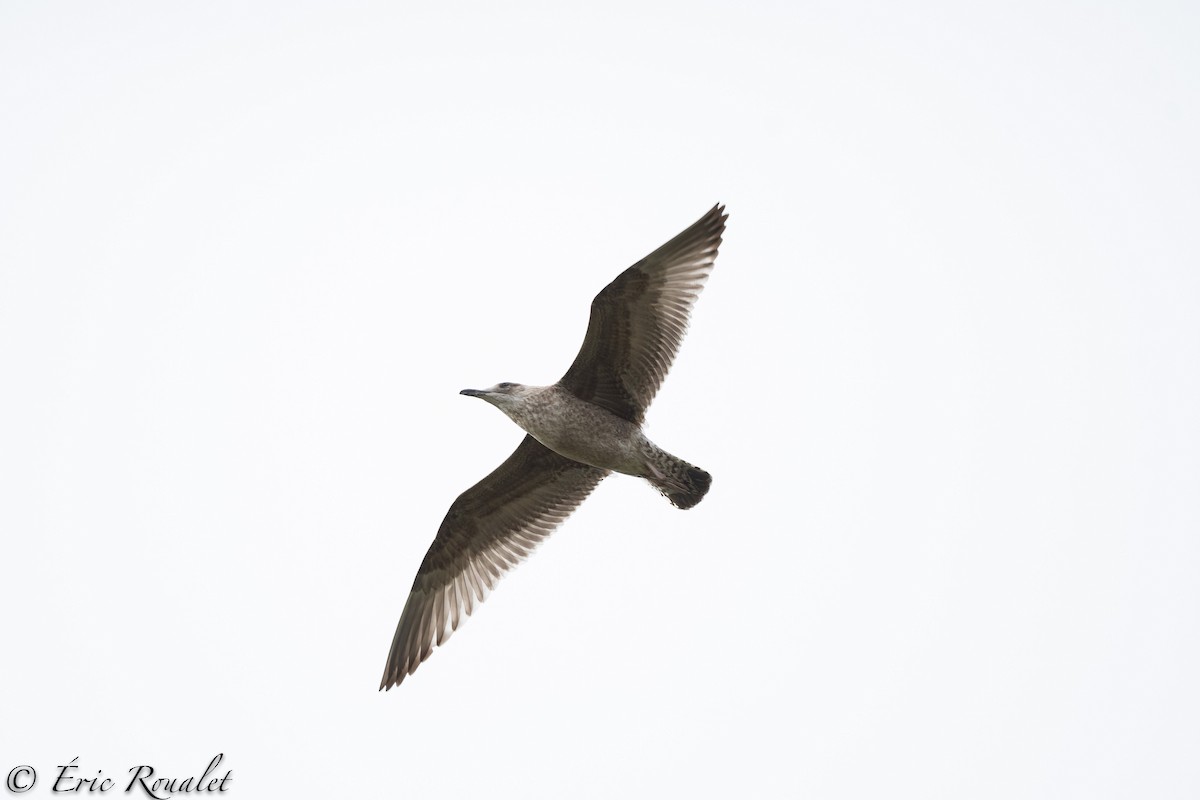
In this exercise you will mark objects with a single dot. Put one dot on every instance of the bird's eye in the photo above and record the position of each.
(506, 385)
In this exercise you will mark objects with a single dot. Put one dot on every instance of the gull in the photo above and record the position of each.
(578, 431)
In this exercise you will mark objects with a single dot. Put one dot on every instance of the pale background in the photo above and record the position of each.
(946, 375)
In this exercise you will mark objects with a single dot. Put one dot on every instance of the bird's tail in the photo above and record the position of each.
(680, 482)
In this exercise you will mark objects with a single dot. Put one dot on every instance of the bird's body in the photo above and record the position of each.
(575, 428)
(580, 429)
(590, 434)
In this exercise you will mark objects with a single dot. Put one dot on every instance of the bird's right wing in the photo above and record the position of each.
(489, 529)
(638, 321)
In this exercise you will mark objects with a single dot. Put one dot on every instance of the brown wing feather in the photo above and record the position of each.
(639, 320)
(488, 530)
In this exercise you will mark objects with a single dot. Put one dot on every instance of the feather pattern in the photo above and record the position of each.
(488, 530)
(638, 322)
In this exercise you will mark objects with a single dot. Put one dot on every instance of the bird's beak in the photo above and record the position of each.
(473, 392)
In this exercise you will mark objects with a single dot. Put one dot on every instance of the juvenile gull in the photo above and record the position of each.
(577, 431)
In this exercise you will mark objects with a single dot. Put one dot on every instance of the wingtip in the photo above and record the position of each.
(394, 674)
(389, 681)
(715, 218)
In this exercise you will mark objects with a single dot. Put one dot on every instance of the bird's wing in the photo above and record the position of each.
(488, 530)
(639, 320)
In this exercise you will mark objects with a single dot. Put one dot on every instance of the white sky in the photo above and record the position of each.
(946, 376)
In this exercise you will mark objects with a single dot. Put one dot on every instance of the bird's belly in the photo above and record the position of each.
(601, 440)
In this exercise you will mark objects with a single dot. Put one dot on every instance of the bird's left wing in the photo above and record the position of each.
(488, 530)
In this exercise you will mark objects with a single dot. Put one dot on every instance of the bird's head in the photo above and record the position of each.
(503, 395)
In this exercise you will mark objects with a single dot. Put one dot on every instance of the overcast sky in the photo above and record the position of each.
(945, 375)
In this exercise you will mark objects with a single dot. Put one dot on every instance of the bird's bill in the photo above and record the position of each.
(473, 392)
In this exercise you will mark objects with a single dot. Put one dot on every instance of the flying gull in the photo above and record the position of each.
(577, 431)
